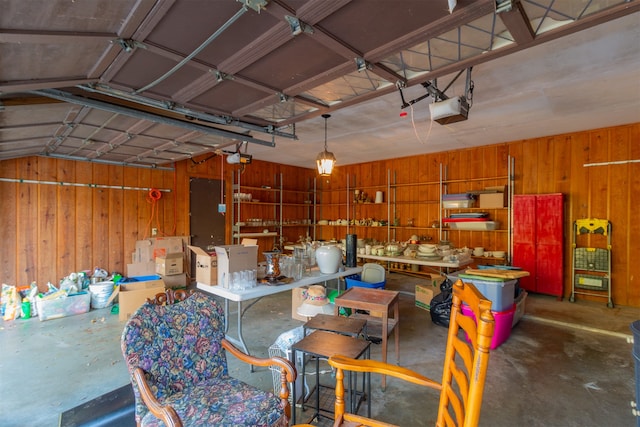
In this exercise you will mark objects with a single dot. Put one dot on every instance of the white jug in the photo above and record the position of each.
(329, 259)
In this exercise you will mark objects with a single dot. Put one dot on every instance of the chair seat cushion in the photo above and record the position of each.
(223, 401)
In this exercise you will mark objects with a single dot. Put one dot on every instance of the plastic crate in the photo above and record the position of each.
(354, 280)
(594, 259)
(282, 348)
(63, 307)
(500, 293)
(504, 322)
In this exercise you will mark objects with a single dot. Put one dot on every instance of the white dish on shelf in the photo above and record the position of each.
(427, 248)
(323, 222)
(458, 204)
(428, 256)
(474, 225)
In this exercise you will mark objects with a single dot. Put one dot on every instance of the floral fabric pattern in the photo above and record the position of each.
(179, 348)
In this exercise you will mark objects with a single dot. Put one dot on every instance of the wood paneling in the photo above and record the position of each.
(65, 213)
(27, 224)
(49, 231)
(8, 219)
(82, 240)
(45, 205)
(542, 165)
(631, 248)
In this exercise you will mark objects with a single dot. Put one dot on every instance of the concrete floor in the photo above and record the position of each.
(564, 364)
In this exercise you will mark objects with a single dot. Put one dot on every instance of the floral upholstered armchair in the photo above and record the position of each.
(176, 356)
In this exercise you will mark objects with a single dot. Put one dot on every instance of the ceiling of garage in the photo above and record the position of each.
(150, 82)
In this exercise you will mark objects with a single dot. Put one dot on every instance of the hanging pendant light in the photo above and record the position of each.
(326, 160)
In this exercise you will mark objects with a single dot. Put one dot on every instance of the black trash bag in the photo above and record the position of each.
(441, 304)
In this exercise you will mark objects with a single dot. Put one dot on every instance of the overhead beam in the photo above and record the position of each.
(518, 24)
(53, 37)
(223, 119)
(104, 106)
(462, 15)
(112, 162)
(17, 86)
(22, 101)
(139, 24)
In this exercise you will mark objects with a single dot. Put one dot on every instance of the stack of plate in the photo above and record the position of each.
(427, 251)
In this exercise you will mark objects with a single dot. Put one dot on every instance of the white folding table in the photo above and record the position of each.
(262, 291)
(434, 265)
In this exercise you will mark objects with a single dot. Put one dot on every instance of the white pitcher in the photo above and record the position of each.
(329, 259)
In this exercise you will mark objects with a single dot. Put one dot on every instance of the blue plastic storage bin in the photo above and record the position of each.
(500, 293)
(354, 280)
(140, 279)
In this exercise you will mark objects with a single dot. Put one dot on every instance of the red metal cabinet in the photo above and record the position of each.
(538, 238)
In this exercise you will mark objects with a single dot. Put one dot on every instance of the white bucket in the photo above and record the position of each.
(100, 293)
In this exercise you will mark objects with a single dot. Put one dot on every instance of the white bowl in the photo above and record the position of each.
(499, 254)
(426, 249)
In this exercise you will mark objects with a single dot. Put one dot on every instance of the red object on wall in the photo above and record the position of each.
(538, 238)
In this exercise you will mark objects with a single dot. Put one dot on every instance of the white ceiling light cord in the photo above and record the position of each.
(415, 129)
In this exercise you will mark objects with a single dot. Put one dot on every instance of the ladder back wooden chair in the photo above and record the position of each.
(465, 366)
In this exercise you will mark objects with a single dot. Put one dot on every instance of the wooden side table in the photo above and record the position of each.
(322, 344)
(378, 301)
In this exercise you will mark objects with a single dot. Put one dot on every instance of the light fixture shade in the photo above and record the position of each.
(325, 162)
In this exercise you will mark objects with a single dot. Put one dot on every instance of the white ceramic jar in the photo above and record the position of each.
(329, 259)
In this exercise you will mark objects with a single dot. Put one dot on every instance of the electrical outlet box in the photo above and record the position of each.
(154, 231)
(222, 208)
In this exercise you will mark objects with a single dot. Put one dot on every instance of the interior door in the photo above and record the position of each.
(549, 244)
(524, 238)
(207, 225)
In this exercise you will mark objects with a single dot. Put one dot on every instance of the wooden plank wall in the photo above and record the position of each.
(49, 231)
(542, 165)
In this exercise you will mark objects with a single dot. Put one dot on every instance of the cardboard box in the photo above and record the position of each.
(170, 264)
(131, 295)
(141, 269)
(426, 292)
(150, 249)
(437, 279)
(63, 307)
(232, 258)
(206, 266)
(493, 200)
(175, 281)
